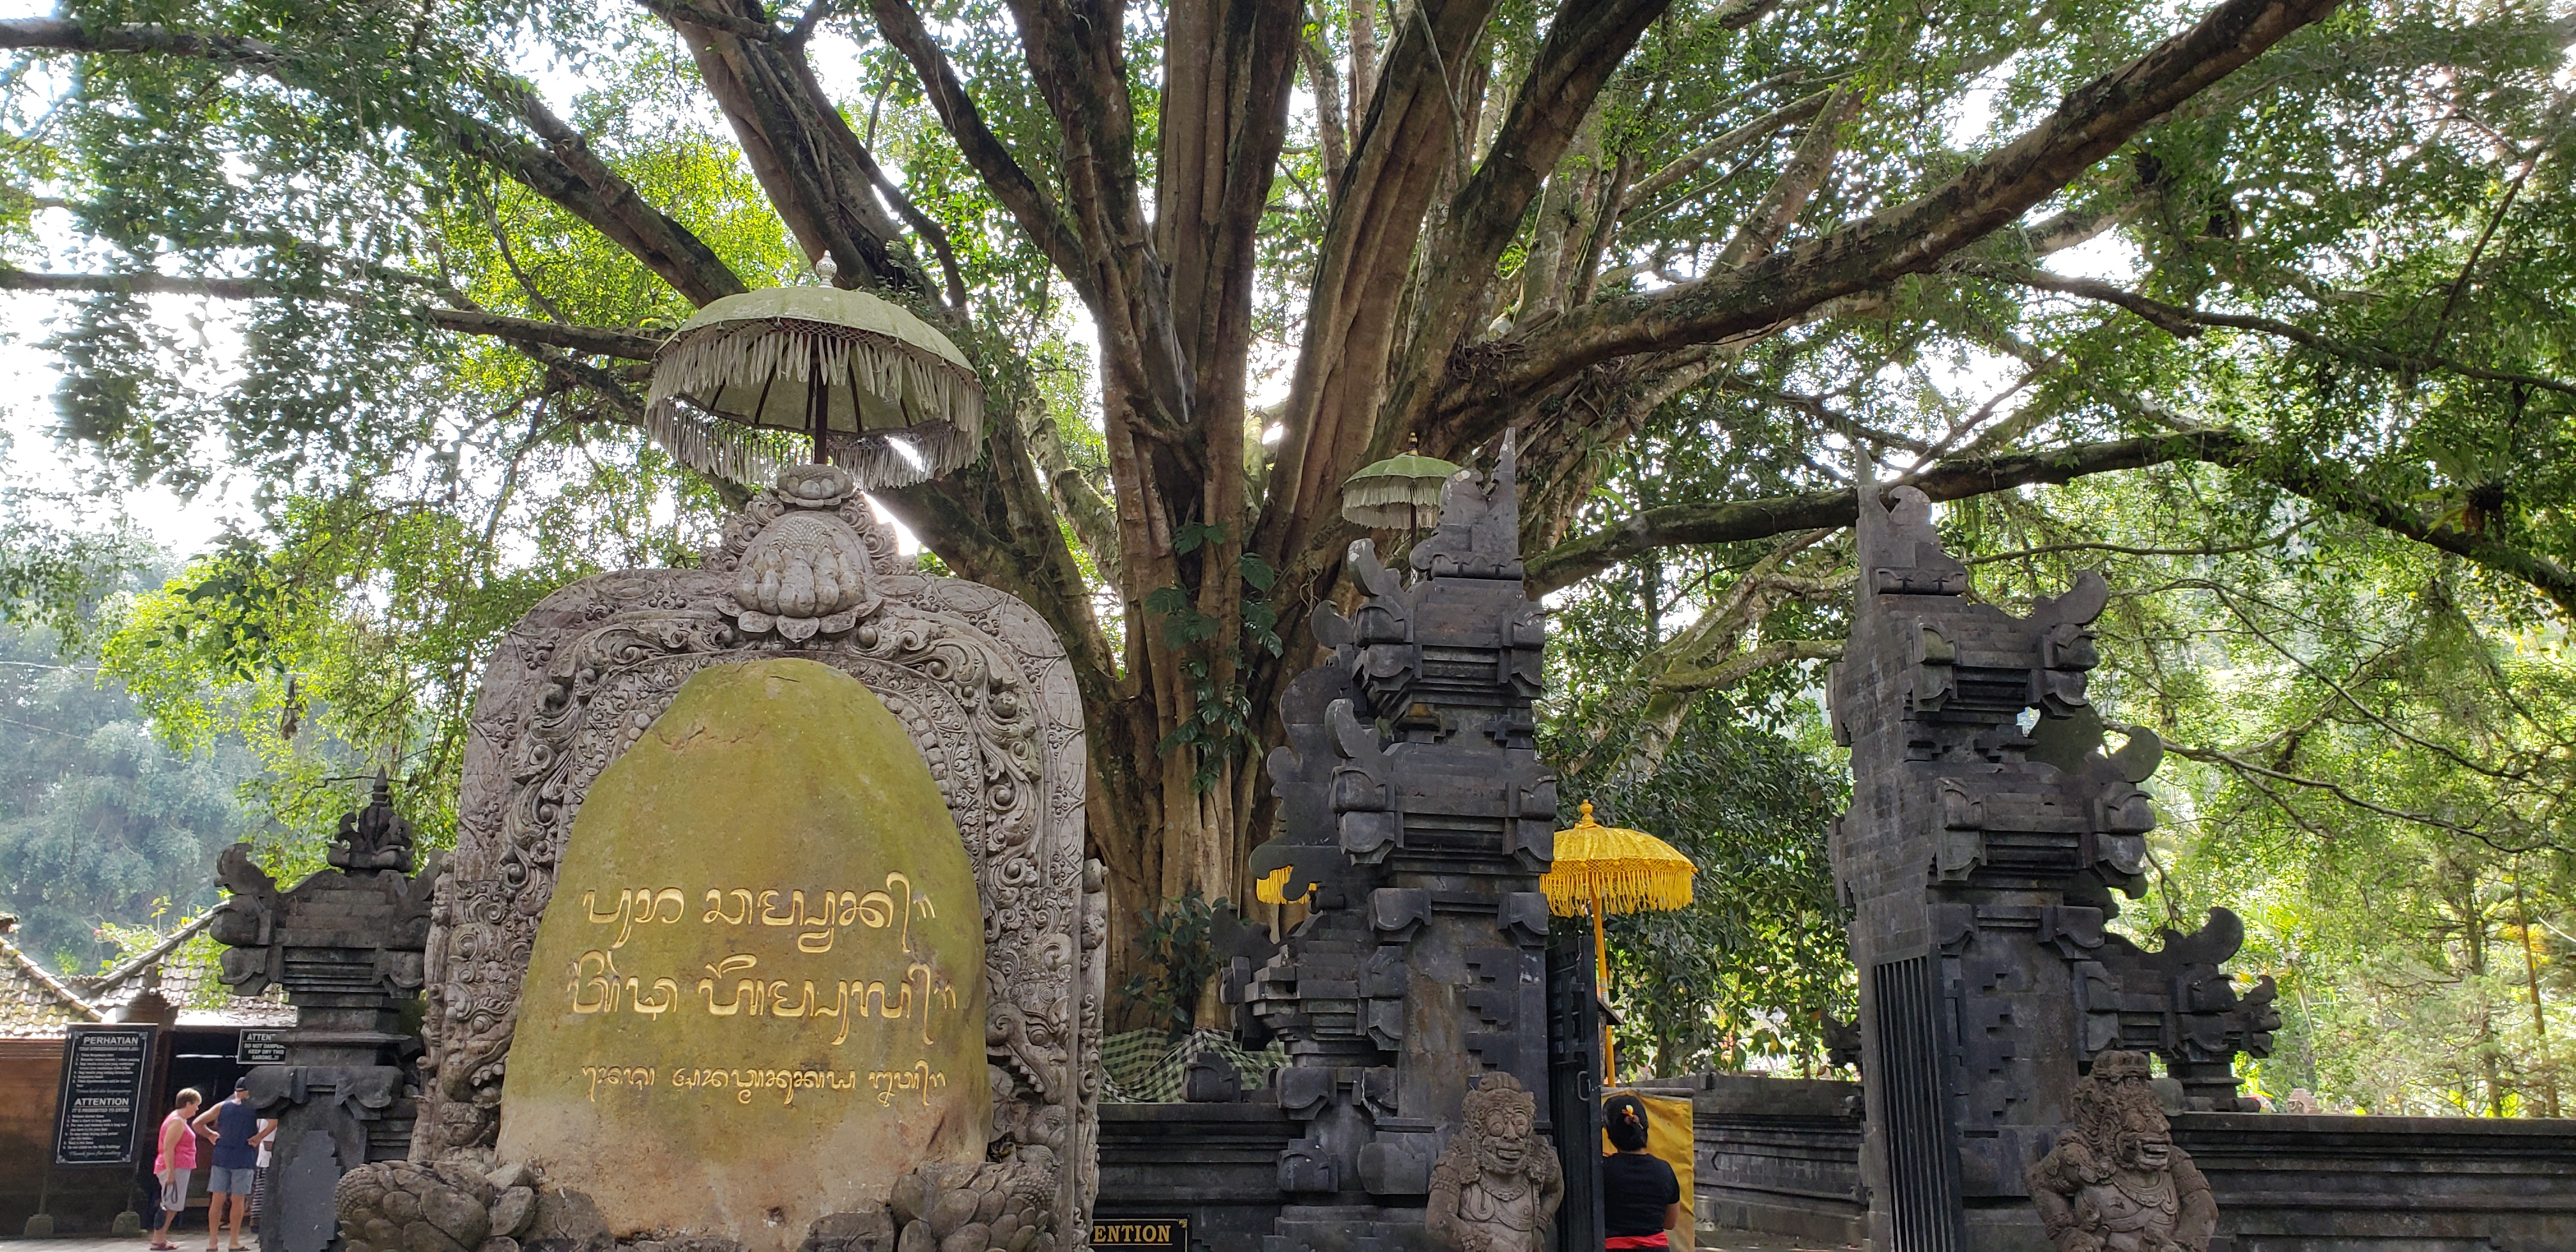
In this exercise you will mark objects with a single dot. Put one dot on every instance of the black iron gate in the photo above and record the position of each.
(1574, 1086)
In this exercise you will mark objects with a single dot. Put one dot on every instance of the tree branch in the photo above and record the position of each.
(1584, 45)
(1400, 156)
(814, 170)
(1586, 555)
(2188, 323)
(2330, 486)
(677, 11)
(1336, 135)
(1808, 166)
(592, 340)
(1910, 238)
(1744, 136)
(564, 171)
(1029, 204)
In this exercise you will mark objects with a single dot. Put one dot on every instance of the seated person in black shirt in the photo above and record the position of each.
(1640, 1197)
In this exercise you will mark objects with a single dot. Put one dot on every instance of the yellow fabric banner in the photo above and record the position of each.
(1671, 1139)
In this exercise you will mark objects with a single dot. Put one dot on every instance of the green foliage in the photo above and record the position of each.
(1177, 960)
(56, 577)
(1744, 977)
(2372, 750)
(200, 956)
(1222, 728)
(2373, 740)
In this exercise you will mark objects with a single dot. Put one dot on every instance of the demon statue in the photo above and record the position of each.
(1497, 1186)
(2115, 1182)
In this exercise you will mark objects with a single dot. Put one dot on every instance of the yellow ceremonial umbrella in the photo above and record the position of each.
(1602, 870)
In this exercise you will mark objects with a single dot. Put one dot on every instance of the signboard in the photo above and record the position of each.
(1172, 1233)
(96, 1120)
(261, 1047)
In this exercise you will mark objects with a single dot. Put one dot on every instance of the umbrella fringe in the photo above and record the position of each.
(1622, 887)
(1392, 502)
(726, 451)
(1371, 492)
(704, 362)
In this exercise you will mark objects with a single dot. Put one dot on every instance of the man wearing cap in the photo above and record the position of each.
(237, 1135)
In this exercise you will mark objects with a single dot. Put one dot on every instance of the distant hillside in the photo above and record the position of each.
(100, 824)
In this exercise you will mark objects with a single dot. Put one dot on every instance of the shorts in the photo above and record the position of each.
(174, 1189)
(236, 1181)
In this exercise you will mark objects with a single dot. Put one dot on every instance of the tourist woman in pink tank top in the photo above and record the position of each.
(177, 1160)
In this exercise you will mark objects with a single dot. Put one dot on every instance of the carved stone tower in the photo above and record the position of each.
(1416, 819)
(346, 944)
(1987, 832)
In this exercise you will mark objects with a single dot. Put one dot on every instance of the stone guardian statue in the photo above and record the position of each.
(1497, 1186)
(2115, 1182)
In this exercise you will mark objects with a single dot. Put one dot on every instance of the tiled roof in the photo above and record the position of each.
(34, 1003)
(128, 977)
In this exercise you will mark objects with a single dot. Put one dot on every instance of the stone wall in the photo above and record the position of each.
(1215, 1164)
(1779, 1154)
(2387, 1184)
(1781, 1157)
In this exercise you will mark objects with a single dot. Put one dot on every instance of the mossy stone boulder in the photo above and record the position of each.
(757, 996)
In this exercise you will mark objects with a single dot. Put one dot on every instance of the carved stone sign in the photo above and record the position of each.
(761, 978)
(979, 686)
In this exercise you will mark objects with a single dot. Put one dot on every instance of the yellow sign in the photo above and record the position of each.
(1141, 1232)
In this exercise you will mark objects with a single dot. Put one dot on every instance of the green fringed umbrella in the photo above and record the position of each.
(879, 391)
(1398, 493)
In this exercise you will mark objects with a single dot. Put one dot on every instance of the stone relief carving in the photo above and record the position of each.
(978, 680)
(1496, 1187)
(2115, 1182)
(998, 1206)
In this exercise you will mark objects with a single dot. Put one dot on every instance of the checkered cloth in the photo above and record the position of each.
(1147, 1066)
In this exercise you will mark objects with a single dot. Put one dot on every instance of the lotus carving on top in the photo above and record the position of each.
(806, 573)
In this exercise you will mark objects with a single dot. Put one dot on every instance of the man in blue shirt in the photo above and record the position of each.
(237, 1135)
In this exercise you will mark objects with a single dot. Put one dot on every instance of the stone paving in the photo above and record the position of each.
(102, 1243)
(1722, 1243)
(97, 1243)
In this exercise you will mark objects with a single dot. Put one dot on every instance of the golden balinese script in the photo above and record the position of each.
(736, 985)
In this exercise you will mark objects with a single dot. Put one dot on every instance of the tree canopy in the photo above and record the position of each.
(2264, 302)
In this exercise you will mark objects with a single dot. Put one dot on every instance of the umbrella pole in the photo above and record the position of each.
(818, 400)
(1601, 982)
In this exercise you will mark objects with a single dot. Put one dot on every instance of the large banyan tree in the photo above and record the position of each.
(1435, 220)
